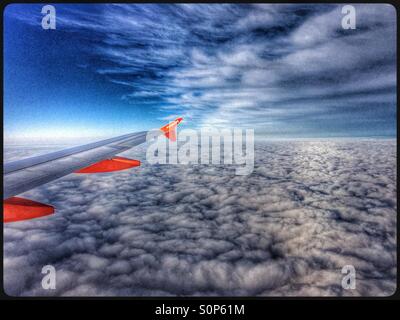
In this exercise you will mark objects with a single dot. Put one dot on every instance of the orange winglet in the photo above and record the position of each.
(170, 129)
(17, 209)
(109, 165)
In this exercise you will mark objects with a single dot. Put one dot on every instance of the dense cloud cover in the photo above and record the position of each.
(284, 70)
(308, 209)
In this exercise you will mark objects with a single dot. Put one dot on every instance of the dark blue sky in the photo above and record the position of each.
(284, 70)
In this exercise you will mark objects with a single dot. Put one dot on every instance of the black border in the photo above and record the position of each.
(149, 303)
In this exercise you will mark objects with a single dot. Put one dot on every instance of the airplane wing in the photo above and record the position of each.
(26, 174)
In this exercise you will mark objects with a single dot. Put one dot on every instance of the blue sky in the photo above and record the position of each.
(288, 71)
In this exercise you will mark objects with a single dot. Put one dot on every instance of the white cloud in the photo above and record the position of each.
(309, 208)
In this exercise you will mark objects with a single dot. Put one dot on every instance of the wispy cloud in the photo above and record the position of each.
(249, 65)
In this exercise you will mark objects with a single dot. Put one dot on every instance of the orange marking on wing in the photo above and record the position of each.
(17, 209)
(109, 165)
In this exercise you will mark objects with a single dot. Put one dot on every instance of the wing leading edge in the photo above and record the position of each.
(26, 174)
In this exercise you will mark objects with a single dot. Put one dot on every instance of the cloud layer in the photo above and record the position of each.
(285, 70)
(308, 209)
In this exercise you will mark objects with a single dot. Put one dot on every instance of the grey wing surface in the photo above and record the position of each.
(23, 175)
